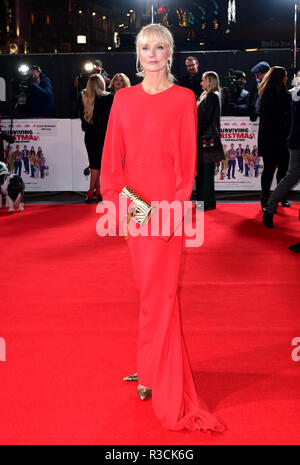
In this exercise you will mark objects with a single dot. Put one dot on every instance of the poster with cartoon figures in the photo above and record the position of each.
(243, 165)
(41, 154)
(50, 155)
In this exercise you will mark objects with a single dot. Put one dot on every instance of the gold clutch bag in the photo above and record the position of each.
(141, 211)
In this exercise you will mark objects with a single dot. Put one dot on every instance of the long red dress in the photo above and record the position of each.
(150, 145)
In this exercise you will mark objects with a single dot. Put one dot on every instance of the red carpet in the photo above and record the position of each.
(69, 318)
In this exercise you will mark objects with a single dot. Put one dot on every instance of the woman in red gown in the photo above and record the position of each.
(150, 145)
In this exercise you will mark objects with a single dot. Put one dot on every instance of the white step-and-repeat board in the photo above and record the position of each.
(50, 155)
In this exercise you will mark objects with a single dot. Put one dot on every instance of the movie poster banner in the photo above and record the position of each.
(50, 155)
(41, 154)
(242, 168)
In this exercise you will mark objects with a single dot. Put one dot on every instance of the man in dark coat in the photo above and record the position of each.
(259, 70)
(193, 78)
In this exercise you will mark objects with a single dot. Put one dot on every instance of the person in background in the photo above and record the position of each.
(80, 81)
(209, 110)
(259, 70)
(274, 128)
(118, 81)
(235, 99)
(99, 69)
(293, 175)
(192, 80)
(94, 108)
(40, 95)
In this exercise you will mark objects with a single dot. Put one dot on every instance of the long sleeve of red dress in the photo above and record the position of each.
(151, 145)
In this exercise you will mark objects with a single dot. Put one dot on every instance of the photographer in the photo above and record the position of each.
(81, 79)
(235, 98)
(40, 97)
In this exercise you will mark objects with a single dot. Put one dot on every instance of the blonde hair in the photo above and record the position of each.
(95, 86)
(163, 36)
(212, 85)
(124, 77)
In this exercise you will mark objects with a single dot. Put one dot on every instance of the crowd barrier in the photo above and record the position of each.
(61, 167)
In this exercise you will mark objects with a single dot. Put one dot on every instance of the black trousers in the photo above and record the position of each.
(279, 159)
(205, 184)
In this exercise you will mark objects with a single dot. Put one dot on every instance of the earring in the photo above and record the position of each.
(140, 68)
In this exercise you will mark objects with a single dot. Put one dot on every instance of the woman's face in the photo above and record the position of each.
(154, 55)
(118, 83)
(203, 83)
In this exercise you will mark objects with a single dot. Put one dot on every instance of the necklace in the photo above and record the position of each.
(156, 91)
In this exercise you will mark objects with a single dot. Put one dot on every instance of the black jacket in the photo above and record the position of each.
(274, 121)
(193, 83)
(237, 105)
(254, 102)
(209, 126)
(100, 117)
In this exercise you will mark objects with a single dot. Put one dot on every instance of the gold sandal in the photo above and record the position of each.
(144, 393)
(133, 377)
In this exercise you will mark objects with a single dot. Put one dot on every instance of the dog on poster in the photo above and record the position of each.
(12, 186)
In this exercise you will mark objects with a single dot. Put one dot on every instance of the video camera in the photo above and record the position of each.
(89, 69)
(230, 79)
(21, 82)
(229, 84)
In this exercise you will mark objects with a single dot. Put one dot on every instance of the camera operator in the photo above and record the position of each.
(235, 98)
(260, 69)
(80, 82)
(81, 79)
(40, 96)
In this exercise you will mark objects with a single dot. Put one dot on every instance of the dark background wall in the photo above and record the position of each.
(62, 69)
